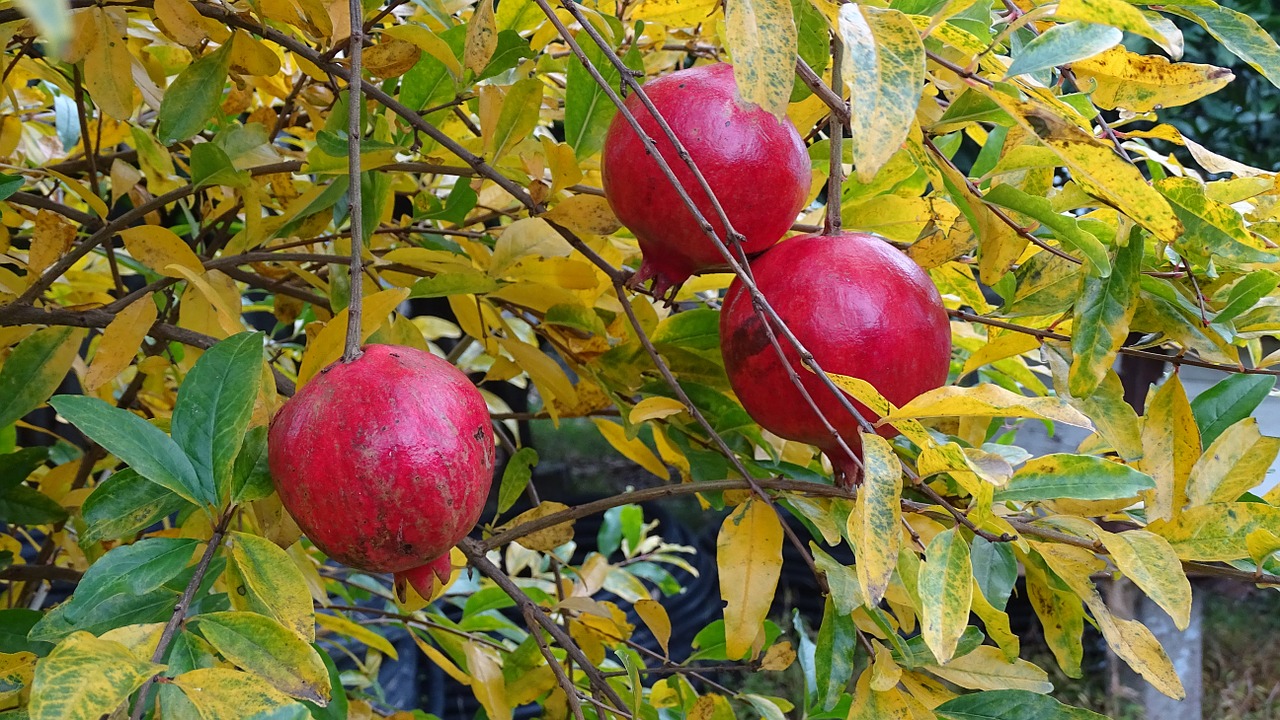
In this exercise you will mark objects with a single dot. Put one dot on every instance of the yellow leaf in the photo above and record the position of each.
(655, 618)
(266, 580)
(655, 407)
(749, 555)
(1236, 461)
(84, 678)
(108, 75)
(871, 704)
(82, 191)
(761, 36)
(1218, 531)
(180, 21)
(585, 215)
(343, 626)
(1116, 13)
(865, 393)
(778, 657)
(946, 588)
(441, 660)
(486, 675)
(675, 13)
(158, 247)
(988, 401)
(51, 238)
(482, 37)
(877, 533)
(141, 640)
(999, 246)
(1170, 447)
(884, 65)
(16, 671)
(547, 375)
(1061, 616)
(996, 622)
(523, 238)
(391, 58)
(1140, 83)
(543, 540)
(885, 673)
(228, 309)
(223, 693)
(986, 669)
(1150, 562)
(327, 345)
(251, 56)
(1261, 543)
(428, 42)
(120, 342)
(633, 449)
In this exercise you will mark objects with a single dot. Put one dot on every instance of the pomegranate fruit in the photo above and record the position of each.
(862, 308)
(755, 164)
(385, 462)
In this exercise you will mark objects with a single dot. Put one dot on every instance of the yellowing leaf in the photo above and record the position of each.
(884, 69)
(865, 393)
(482, 37)
(1235, 462)
(946, 582)
(1116, 13)
(120, 342)
(486, 673)
(442, 660)
(327, 345)
(107, 73)
(778, 657)
(547, 375)
(51, 238)
(84, 678)
(523, 238)
(633, 449)
(343, 626)
(585, 215)
(428, 42)
(655, 407)
(1141, 83)
(264, 579)
(181, 21)
(543, 540)
(83, 192)
(251, 56)
(675, 13)
(1150, 562)
(877, 533)
(749, 555)
(1218, 531)
(988, 401)
(391, 58)
(1170, 447)
(223, 693)
(986, 669)
(761, 35)
(655, 618)
(872, 704)
(262, 646)
(158, 247)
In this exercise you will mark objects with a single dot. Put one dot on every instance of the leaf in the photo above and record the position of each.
(1116, 13)
(24, 505)
(1066, 229)
(1237, 461)
(761, 36)
(482, 37)
(884, 69)
(343, 626)
(264, 647)
(263, 579)
(516, 477)
(655, 407)
(107, 73)
(120, 342)
(327, 346)
(1141, 83)
(1213, 229)
(1102, 316)
(1010, 705)
(548, 539)
(585, 215)
(1237, 32)
(655, 618)
(193, 97)
(1218, 531)
(879, 517)
(631, 448)
(1083, 477)
(391, 58)
(587, 108)
(749, 556)
(1063, 44)
(519, 114)
(34, 370)
(1171, 446)
(986, 669)
(675, 13)
(125, 504)
(10, 184)
(1228, 402)
(251, 475)
(52, 19)
(987, 401)
(834, 657)
(85, 678)
(225, 693)
(995, 570)
(1151, 563)
(15, 623)
(1246, 293)
(946, 585)
(141, 445)
(486, 680)
(158, 248)
(214, 407)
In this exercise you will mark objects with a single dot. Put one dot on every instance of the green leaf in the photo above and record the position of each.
(1082, 477)
(10, 184)
(124, 587)
(837, 650)
(1246, 293)
(338, 707)
(587, 108)
(1228, 402)
(215, 404)
(18, 466)
(210, 165)
(15, 624)
(884, 69)
(264, 647)
(515, 477)
(85, 678)
(1065, 227)
(1063, 44)
(1102, 315)
(946, 587)
(125, 504)
(761, 36)
(1010, 705)
(1237, 32)
(251, 476)
(141, 445)
(35, 369)
(226, 693)
(455, 283)
(995, 570)
(25, 505)
(1213, 229)
(193, 97)
(813, 44)
(518, 116)
(264, 579)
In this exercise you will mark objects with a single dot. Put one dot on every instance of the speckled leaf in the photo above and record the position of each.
(988, 401)
(223, 692)
(34, 370)
(482, 37)
(986, 669)
(1116, 13)
(1213, 229)
(761, 35)
(1063, 44)
(879, 517)
(1083, 477)
(1102, 315)
(946, 586)
(749, 555)
(264, 579)
(85, 678)
(884, 69)
(1151, 563)
(1235, 462)
(1170, 447)
(1238, 32)
(1124, 79)
(1218, 531)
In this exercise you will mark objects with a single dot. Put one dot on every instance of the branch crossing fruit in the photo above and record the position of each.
(862, 308)
(385, 462)
(755, 164)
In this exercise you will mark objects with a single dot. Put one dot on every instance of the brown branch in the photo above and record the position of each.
(832, 96)
(835, 135)
(355, 132)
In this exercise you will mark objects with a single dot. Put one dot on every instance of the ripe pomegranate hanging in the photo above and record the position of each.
(862, 308)
(755, 164)
(385, 462)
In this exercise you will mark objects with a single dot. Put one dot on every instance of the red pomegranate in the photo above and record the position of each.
(385, 462)
(862, 308)
(755, 164)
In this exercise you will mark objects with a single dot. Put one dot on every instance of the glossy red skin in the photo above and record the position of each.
(384, 462)
(862, 308)
(756, 165)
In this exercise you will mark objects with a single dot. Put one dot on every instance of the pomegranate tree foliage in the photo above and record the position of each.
(171, 167)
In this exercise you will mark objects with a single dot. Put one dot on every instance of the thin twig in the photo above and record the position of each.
(835, 135)
(355, 131)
